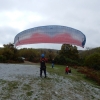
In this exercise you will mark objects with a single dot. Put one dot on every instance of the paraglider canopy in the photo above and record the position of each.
(51, 34)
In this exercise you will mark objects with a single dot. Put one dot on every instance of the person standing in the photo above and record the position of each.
(42, 65)
(52, 63)
(67, 70)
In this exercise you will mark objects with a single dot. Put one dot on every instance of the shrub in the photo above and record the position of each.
(63, 60)
(2, 58)
(90, 73)
(60, 60)
(72, 62)
(20, 60)
(93, 61)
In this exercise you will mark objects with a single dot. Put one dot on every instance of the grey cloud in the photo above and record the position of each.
(83, 15)
(7, 35)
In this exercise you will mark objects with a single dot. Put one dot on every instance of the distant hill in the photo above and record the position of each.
(84, 53)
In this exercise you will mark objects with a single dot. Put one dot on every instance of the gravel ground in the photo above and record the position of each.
(22, 82)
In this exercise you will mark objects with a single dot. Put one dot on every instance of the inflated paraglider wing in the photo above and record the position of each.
(51, 34)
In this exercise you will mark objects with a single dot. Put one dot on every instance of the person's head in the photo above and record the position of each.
(66, 66)
(42, 55)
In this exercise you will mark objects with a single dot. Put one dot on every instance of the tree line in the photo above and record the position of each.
(68, 55)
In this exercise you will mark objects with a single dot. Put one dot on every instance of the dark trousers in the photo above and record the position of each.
(41, 70)
(66, 72)
(52, 65)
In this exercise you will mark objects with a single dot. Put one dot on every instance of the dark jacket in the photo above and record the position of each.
(42, 63)
(53, 61)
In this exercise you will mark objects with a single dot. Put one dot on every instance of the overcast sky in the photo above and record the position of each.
(19, 15)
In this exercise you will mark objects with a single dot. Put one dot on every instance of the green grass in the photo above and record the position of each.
(7, 88)
(29, 93)
(60, 70)
(74, 75)
(26, 87)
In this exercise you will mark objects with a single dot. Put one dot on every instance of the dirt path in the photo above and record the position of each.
(22, 82)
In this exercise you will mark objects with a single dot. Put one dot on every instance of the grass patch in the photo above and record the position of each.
(26, 87)
(29, 93)
(74, 75)
(10, 85)
(7, 88)
(2, 81)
